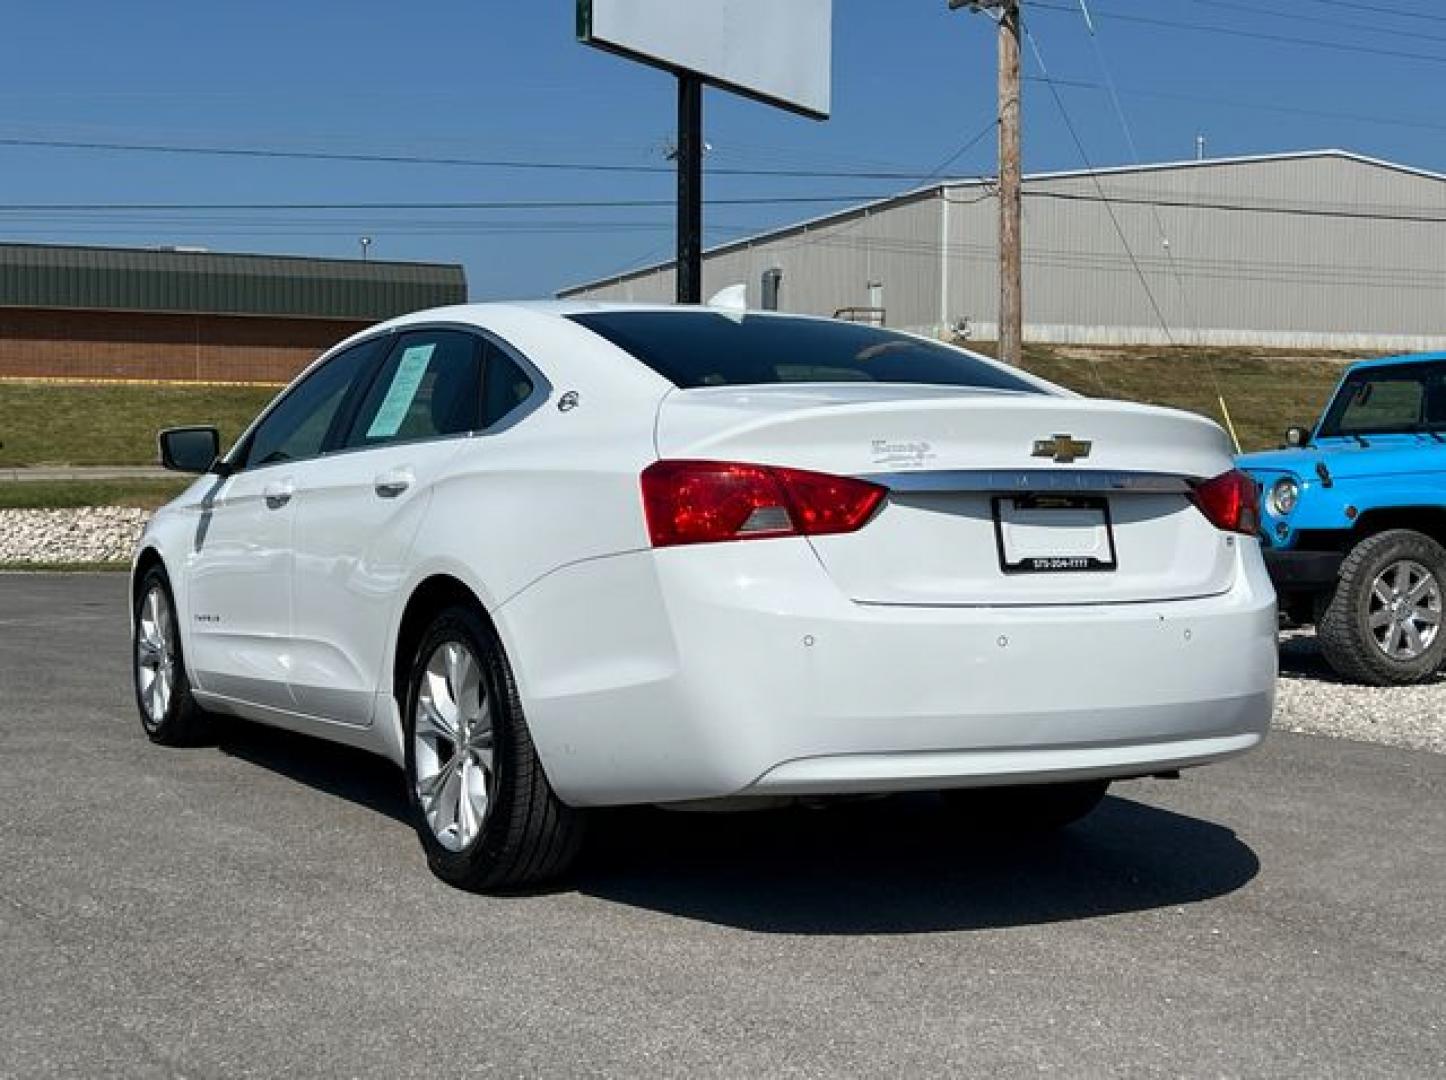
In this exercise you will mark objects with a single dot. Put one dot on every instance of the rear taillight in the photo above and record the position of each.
(705, 502)
(1231, 501)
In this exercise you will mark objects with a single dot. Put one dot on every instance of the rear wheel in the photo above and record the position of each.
(1037, 808)
(169, 713)
(1382, 625)
(484, 810)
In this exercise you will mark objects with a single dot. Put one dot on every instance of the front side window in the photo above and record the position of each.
(700, 348)
(1389, 400)
(430, 386)
(296, 429)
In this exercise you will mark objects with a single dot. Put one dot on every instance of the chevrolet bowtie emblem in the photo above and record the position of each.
(1063, 448)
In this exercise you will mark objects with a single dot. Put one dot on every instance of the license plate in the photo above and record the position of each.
(1047, 534)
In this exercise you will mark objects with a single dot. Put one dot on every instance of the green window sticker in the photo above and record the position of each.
(393, 410)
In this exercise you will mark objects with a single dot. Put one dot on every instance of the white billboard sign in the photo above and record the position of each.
(778, 51)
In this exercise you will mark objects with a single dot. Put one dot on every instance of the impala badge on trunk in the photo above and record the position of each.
(1062, 448)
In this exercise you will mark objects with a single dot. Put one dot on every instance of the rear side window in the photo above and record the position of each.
(505, 386)
(429, 386)
(699, 348)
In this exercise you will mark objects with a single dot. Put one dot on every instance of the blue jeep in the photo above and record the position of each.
(1353, 518)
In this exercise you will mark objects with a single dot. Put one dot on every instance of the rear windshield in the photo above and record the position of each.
(702, 348)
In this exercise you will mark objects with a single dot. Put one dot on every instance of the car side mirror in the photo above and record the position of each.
(1297, 436)
(190, 449)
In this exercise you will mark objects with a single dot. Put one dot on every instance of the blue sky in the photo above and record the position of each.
(505, 79)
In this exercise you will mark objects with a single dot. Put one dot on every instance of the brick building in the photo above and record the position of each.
(124, 313)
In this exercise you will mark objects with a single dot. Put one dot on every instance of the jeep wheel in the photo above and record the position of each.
(1382, 626)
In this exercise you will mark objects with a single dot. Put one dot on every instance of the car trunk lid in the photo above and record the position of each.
(996, 497)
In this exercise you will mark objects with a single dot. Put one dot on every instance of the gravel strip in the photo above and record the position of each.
(1312, 699)
(90, 534)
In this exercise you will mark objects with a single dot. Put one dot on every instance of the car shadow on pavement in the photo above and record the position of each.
(354, 775)
(873, 866)
(905, 865)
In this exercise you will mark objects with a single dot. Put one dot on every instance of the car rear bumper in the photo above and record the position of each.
(740, 669)
(1302, 571)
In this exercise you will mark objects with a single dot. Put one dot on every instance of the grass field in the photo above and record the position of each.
(54, 495)
(52, 424)
(1266, 392)
(67, 424)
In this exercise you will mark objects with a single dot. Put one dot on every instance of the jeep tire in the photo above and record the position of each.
(1383, 624)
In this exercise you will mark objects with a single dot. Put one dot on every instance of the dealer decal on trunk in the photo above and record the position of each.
(902, 455)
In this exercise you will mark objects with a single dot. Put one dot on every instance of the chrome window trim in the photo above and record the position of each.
(542, 389)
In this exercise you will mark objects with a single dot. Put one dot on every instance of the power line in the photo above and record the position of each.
(1258, 10)
(1090, 169)
(56, 211)
(1185, 297)
(1380, 9)
(964, 148)
(1243, 208)
(1418, 278)
(935, 173)
(1257, 35)
(1258, 105)
(269, 153)
(526, 204)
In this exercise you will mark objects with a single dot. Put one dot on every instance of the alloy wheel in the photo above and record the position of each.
(155, 656)
(1405, 610)
(452, 744)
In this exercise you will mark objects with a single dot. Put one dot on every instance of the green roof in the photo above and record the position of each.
(202, 282)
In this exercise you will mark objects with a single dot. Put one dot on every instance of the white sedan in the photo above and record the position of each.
(559, 556)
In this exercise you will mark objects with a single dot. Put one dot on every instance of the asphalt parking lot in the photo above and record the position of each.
(261, 907)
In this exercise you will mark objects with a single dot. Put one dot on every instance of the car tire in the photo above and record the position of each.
(1377, 628)
(487, 817)
(169, 713)
(1032, 809)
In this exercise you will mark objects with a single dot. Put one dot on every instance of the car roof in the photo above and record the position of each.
(1391, 361)
(564, 308)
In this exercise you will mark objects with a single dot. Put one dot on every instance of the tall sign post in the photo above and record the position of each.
(776, 52)
(690, 189)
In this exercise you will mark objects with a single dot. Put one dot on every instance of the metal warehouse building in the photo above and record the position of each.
(1319, 250)
(109, 313)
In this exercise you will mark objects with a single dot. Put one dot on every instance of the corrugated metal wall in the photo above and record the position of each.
(825, 267)
(123, 279)
(1312, 273)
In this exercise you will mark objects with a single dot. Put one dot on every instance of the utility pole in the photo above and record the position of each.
(1011, 263)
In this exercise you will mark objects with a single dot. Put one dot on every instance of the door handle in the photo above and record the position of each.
(392, 483)
(278, 495)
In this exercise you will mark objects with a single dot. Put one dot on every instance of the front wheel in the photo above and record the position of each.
(169, 714)
(1037, 808)
(1382, 625)
(484, 810)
